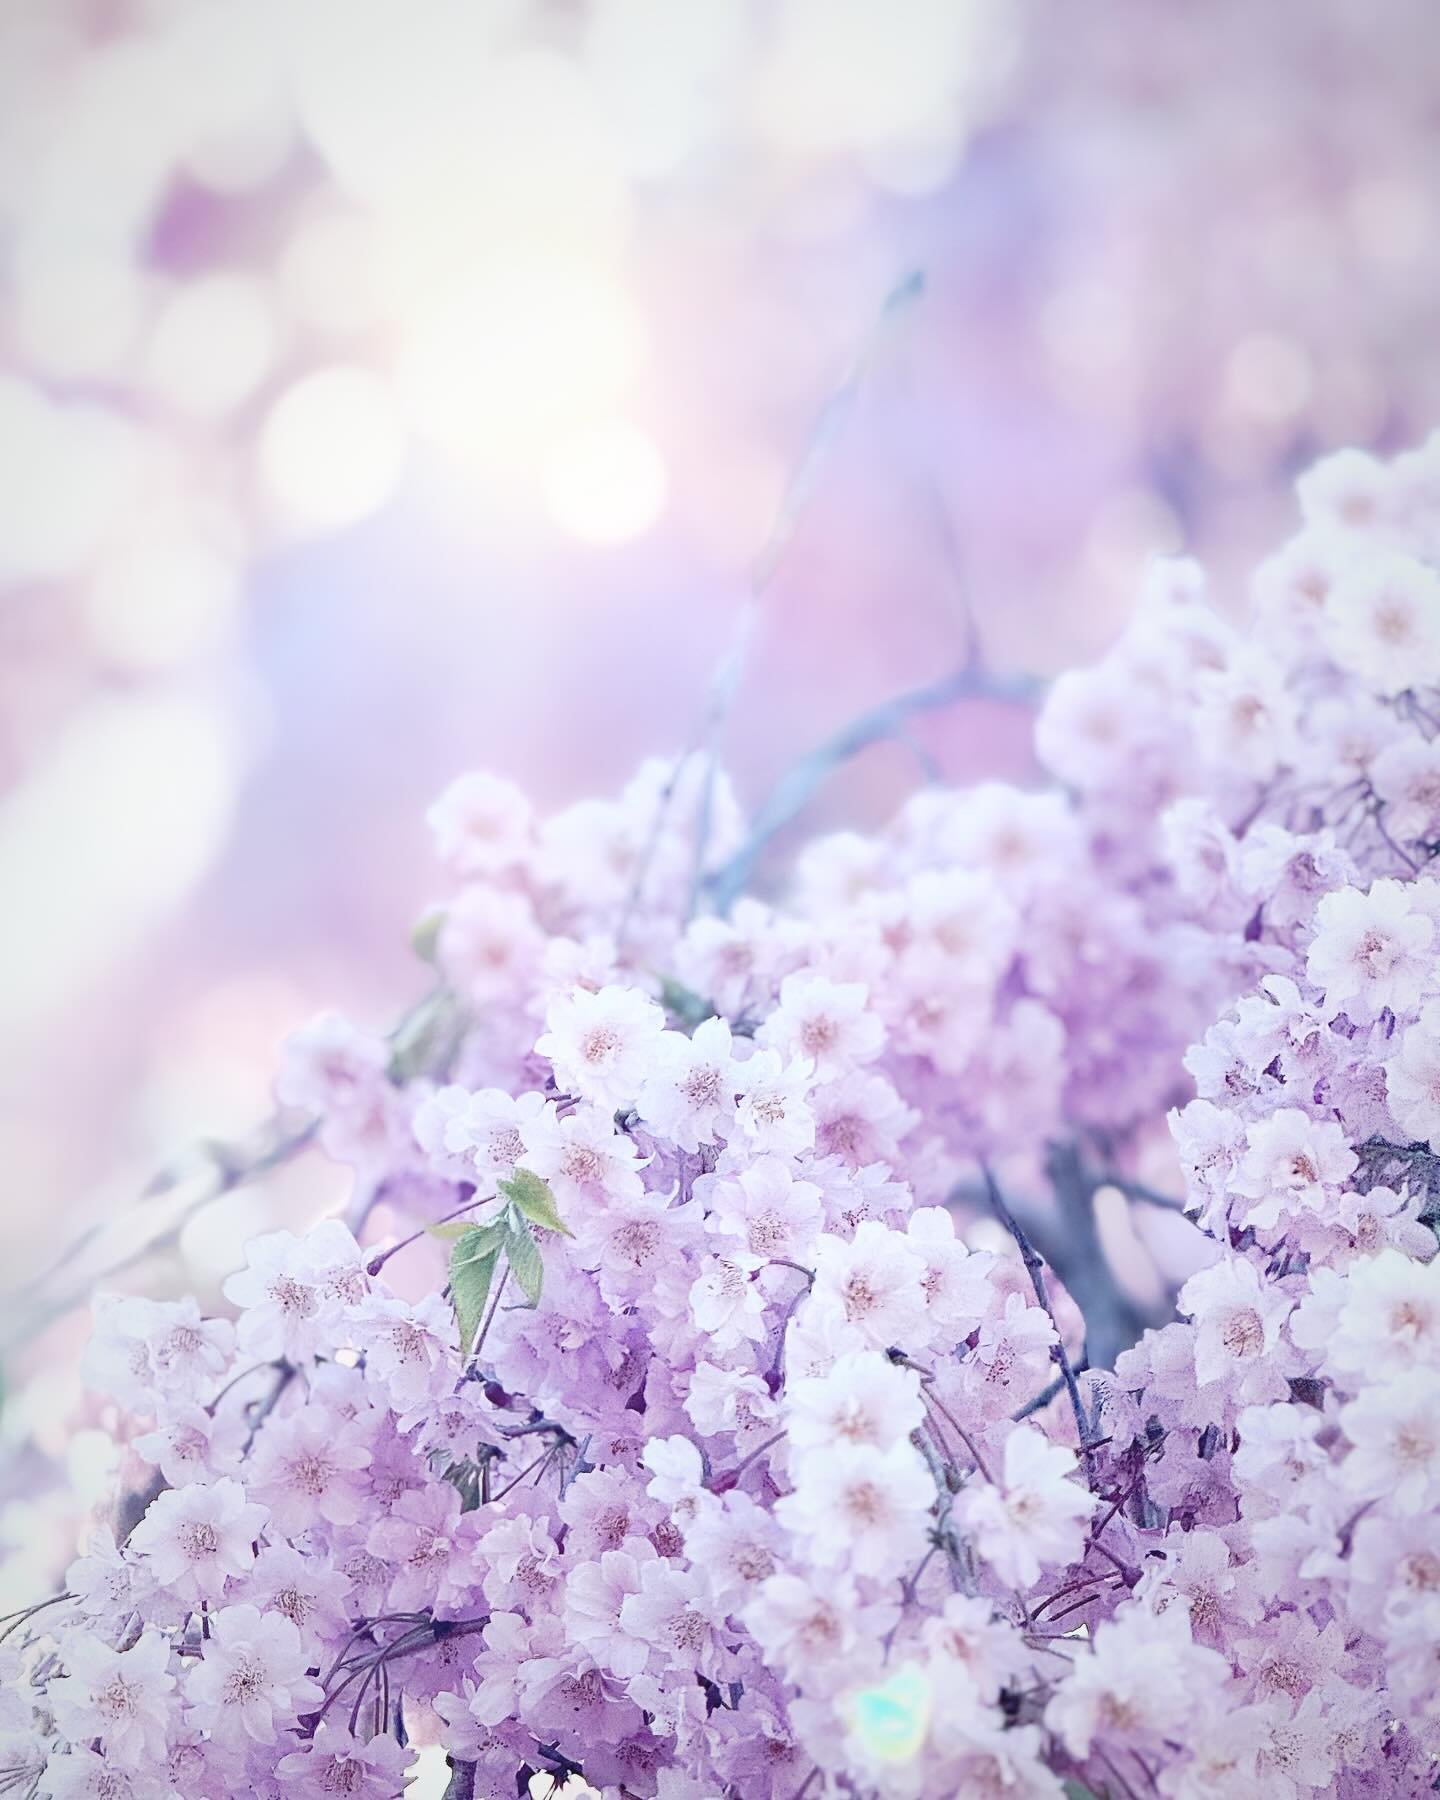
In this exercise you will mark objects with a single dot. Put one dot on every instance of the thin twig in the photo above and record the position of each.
(723, 1483)
(1036, 1271)
(1138, 1190)
(930, 1398)
(489, 1318)
(377, 1263)
(1042, 1399)
(227, 1170)
(794, 791)
(819, 446)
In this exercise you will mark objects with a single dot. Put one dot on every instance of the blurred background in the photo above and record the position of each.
(395, 387)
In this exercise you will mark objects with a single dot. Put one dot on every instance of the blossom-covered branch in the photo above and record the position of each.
(713, 1441)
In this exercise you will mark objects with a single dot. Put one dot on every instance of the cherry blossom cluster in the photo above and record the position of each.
(742, 1416)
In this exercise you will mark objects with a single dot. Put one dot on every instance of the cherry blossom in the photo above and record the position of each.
(966, 1324)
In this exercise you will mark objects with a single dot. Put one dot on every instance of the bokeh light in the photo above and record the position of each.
(332, 448)
(606, 483)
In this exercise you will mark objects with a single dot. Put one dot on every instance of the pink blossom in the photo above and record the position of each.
(1035, 1517)
(119, 1697)
(196, 1540)
(601, 1045)
(251, 1680)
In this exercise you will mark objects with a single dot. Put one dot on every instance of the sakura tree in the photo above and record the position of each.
(755, 1409)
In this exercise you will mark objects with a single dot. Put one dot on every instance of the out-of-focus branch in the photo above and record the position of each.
(1113, 1321)
(206, 1175)
(825, 433)
(423, 1040)
(887, 721)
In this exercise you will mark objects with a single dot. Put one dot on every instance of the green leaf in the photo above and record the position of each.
(470, 1278)
(684, 1003)
(1077, 1790)
(534, 1199)
(426, 1039)
(526, 1266)
(449, 1228)
(477, 1241)
(464, 1477)
(425, 938)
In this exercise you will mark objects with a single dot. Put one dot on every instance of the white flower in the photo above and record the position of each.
(1290, 1161)
(295, 1292)
(966, 1633)
(733, 960)
(860, 1508)
(1383, 622)
(1088, 727)
(1348, 490)
(1394, 1432)
(1011, 1356)
(1277, 1450)
(191, 1444)
(334, 1762)
(963, 914)
(331, 1066)
(83, 1774)
(121, 1697)
(1412, 1078)
(252, 1679)
(140, 1350)
(669, 1615)
(583, 1157)
(1395, 1568)
(722, 1399)
(482, 825)
(726, 1304)
(602, 1045)
(197, 1539)
(826, 1022)
(105, 1579)
(488, 1129)
(878, 1277)
(806, 1624)
(689, 1094)
(490, 945)
(735, 1545)
(305, 1468)
(1291, 587)
(410, 1348)
(957, 1280)
(1237, 1318)
(766, 1212)
(1244, 718)
(861, 1119)
(677, 1473)
(1406, 776)
(1288, 873)
(636, 1244)
(304, 1587)
(1142, 1678)
(1035, 1516)
(773, 1113)
(1372, 950)
(1204, 853)
(863, 1399)
(1390, 1320)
